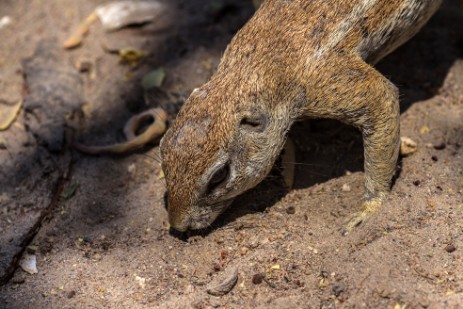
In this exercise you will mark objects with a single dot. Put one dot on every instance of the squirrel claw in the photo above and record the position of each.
(369, 207)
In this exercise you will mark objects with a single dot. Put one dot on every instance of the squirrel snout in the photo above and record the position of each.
(179, 227)
(178, 222)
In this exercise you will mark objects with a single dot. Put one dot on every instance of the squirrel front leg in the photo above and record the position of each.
(381, 139)
(355, 93)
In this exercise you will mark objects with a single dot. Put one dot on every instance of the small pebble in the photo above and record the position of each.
(258, 278)
(346, 188)
(131, 169)
(141, 281)
(217, 267)
(83, 66)
(440, 146)
(291, 210)
(5, 21)
(71, 294)
(407, 146)
(224, 283)
(450, 248)
(338, 288)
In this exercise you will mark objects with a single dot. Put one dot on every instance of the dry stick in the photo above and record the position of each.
(155, 130)
(75, 39)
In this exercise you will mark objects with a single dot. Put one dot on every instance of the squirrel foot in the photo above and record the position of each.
(369, 207)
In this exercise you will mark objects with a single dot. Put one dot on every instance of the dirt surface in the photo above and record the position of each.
(98, 225)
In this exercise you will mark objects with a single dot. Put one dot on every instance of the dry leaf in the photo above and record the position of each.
(8, 114)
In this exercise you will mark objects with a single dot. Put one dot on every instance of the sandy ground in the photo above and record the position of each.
(98, 225)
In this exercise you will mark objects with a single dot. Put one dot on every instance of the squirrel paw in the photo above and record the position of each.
(369, 207)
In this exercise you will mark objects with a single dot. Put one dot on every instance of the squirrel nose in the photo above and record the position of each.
(178, 222)
(179, 228)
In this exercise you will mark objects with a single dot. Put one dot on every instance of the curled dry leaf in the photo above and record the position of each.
(155, 130)
(224, 284)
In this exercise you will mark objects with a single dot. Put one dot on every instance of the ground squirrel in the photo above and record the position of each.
(293, 60)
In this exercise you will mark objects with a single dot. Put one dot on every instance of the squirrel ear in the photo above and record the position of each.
(254, 123)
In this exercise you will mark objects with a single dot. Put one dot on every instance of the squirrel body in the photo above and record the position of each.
(293, 60)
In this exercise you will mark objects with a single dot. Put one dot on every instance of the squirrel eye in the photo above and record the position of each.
(219, 176)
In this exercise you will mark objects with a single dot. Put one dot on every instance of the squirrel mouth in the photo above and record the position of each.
(204, 220)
